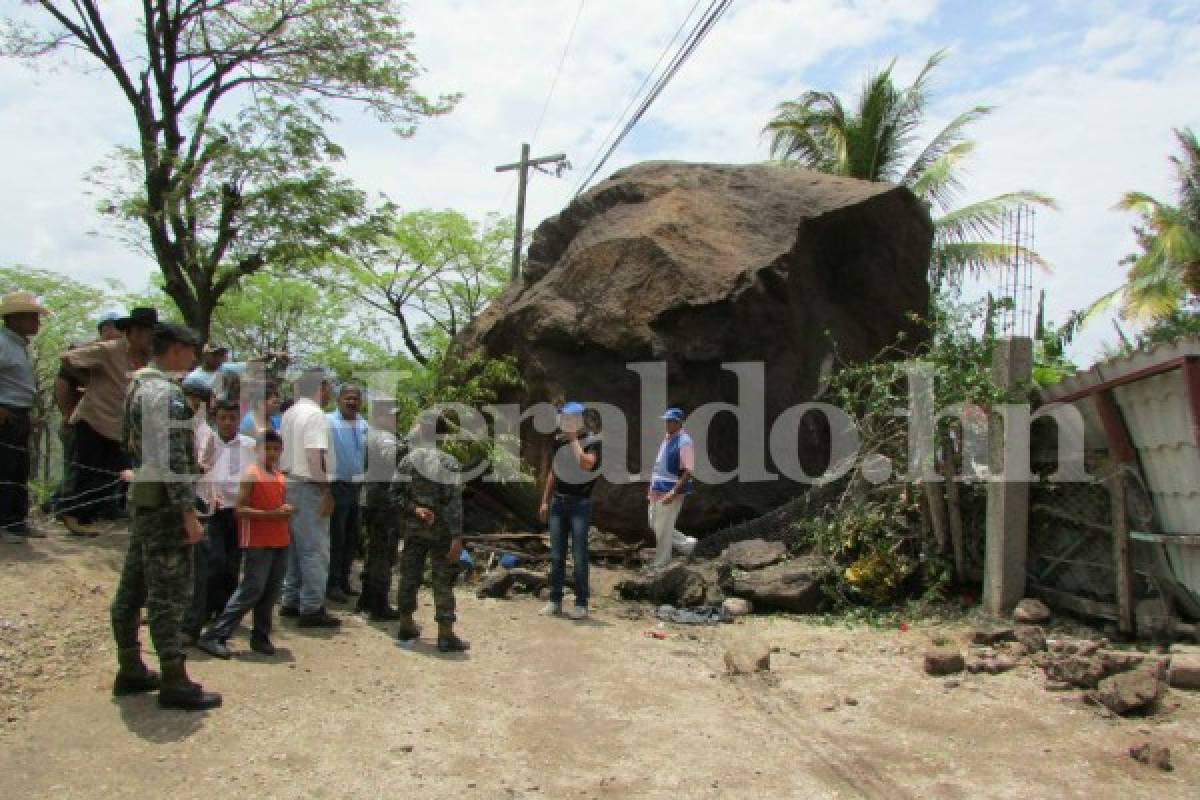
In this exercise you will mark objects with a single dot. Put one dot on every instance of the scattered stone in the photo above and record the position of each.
(1031, 637)
(990, 636)
(1129, 692)
(1031, 611)
(495, 584)
(830, 705)
(681, 586)
(1058, 686)
(944, 661)
(1152, 755)
(1069, 647)
(952, 684)
(737, 606)
(793, 586)
(1184, 672)
(992, 664)
(746, 659)
(753, 554)
(850, 701)
(1086, 671)
(1001, 663)
(499, 582)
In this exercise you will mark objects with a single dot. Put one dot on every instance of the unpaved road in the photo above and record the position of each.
(541, 708)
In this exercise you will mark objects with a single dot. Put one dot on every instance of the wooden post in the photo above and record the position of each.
(954, 510)
(936, 498)
(1122, 456)
(522, 168)
(1126, 619)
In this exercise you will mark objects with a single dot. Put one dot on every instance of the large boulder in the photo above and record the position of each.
(695, 265)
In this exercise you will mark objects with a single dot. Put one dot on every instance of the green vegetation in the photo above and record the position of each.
(231, 172)
(874, 137)
(1164, 276)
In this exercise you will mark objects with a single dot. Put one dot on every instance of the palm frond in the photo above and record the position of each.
(1187, 173)
(870, 143)
(940, 181)
(808, 130)
(1142, 203)
(957, 258)
(1153, 288)
(1100, 305)
(984, 219)
(949, 140)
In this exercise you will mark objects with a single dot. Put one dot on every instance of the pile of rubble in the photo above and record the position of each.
(749, 575)
(1125, 682)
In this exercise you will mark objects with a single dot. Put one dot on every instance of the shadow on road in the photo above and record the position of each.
(429, 649)
(145, 719)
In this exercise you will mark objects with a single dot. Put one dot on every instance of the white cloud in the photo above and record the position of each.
(1085, 111)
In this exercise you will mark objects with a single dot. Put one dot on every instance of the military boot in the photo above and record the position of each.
(409, 629)
(133, 676)
(178, 691)
(448, 641)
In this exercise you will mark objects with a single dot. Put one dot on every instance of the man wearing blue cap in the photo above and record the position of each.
(670, 483)
(567, 505)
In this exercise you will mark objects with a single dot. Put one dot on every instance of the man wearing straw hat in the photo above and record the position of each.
(22, 315)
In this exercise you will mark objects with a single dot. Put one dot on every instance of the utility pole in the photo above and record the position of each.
(523, 179)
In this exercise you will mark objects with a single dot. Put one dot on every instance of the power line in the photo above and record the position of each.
(697, 35)
(549, 95)
(638, 93)
(557, 74)
(714, 12)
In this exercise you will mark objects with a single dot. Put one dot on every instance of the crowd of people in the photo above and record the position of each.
(240, 504)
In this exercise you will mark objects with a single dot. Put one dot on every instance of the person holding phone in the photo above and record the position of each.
(567, 505)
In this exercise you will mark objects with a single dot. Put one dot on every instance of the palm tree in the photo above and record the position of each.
(1166, 273)
(873, 141)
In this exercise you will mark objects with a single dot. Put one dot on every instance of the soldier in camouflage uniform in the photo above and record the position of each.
(382, 520)
(159, 436)
(427, 491)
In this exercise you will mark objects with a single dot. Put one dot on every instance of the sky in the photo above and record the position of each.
(1086, 95)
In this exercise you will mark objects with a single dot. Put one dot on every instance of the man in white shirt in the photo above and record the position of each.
(223, 456)
(305, 432)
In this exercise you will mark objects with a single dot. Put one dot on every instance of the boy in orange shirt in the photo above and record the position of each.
(263, 535)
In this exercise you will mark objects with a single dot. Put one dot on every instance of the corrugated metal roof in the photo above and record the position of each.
(1120, 366)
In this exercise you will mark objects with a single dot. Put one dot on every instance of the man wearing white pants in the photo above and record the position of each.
(670, 483)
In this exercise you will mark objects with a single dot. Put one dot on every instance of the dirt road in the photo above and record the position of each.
(541, 708)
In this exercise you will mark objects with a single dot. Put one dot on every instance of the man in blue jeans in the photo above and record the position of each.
(305, 432)
(348, 437)
(567, 505)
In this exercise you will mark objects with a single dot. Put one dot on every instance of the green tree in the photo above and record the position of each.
(875, 139)
(231, 173)
(74, 309)
(278, 314)
(1165, 275)
(434, 273)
